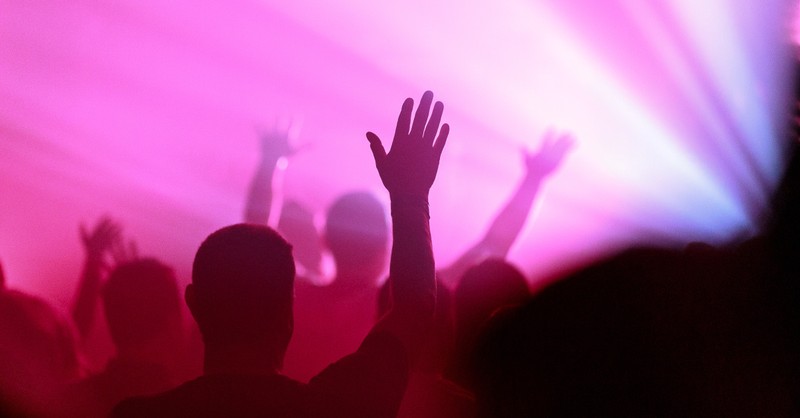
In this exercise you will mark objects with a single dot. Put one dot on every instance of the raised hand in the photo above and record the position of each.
(102, 244)
(123, 252)
(413, 160)
(550, 155)
(101, 240)
(276, 141)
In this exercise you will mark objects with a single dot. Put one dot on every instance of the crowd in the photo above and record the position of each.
(700, 331)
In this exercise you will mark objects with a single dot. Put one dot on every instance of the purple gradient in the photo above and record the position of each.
(146, 111)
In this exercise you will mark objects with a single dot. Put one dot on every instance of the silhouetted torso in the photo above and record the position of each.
(121, 379)
(368, 383)
(328, 325)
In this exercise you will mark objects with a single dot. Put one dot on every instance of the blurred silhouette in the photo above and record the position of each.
(644, 333)
(332, 320)
(103, 246)
(510, 220)
(38, 355)
(332, 314)
(241, 298)
(142, 306)
(485, 288)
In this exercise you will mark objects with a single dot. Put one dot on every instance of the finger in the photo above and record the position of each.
(378, 151)
(404, 119)
(438, 147)
(433, 124)
(422, 114)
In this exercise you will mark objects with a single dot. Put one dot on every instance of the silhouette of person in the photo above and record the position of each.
(332, 320)
(142, 306)
(104, 247)
(485, 288)
(489, 283)
(241, 297)
(647, 332)
(38, 355)
(506, 226)
(332, 314)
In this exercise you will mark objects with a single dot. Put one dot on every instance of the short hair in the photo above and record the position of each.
(356, 228)
(243, 276)
(140, 299)
(485, 288)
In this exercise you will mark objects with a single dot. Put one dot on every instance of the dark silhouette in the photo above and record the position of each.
(645, 333)
(485, 288)
(38, 355)
(142, 306)
(241, 298)
(103, 246)
(489, 283)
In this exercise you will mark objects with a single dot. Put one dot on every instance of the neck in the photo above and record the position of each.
(240, 359)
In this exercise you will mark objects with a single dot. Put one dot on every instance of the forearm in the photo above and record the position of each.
(87, 296)
(260, 194)
(508, 223)
(412, 266)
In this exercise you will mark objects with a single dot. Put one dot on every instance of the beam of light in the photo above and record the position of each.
(147, 111)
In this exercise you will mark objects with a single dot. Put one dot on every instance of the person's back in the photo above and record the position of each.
(379, 369)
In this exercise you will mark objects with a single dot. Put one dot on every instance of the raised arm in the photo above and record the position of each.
(98, 244)
(274, 146)
(508, 223)
(407, 172)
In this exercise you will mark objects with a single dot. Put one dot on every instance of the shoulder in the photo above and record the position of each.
(222, 395)
(369, 382)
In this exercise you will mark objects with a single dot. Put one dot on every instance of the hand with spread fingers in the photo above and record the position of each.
(551, 154)
(99, 241)
(410, 166)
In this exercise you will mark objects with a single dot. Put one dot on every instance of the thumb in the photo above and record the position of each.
(377, 148)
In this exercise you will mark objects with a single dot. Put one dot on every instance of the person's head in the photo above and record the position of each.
(242, 289)
(357, 234)
(647, 332)
(142, 304)
(484, 288)
(38, 355)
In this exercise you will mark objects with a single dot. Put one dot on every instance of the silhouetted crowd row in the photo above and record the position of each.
(700, 331)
